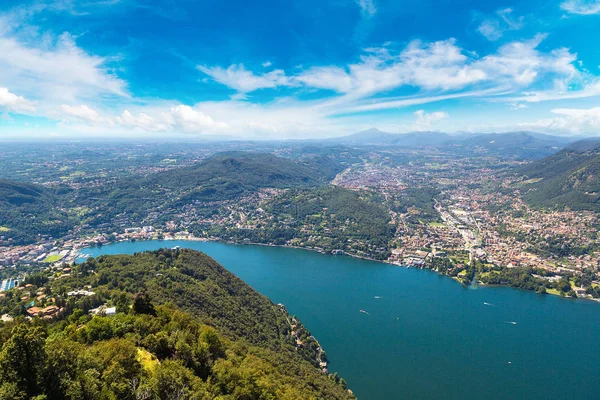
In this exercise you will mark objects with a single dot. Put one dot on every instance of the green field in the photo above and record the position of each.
(52, 258)
(437, 224)
(4, 229)
(553, 291)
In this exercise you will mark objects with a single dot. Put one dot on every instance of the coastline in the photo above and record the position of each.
(215, 240)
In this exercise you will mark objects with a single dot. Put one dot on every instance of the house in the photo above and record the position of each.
(6, 318)
(103, 310)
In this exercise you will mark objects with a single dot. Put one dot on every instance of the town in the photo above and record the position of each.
(462, 216)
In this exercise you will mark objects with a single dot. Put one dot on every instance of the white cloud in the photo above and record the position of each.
(436, 66)
(12, 102)
(191, 120)
(329, 78)
(367, 7)
(493, 28)
(570, 120)
(239, 78)
(517, 106)
(582, 7)
(521, 63)
(56, 70)
(58, 79)
(81, 112)
(426, 120)
(490, 29)
(142, 121)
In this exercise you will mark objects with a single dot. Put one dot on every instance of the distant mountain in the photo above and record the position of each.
(569, 178)
(376, 137)
(526, 145)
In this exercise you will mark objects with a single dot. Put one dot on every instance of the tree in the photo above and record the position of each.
(541, 289)
(23, 358)
(142, 304)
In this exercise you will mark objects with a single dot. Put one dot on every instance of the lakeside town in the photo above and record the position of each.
(462, 216)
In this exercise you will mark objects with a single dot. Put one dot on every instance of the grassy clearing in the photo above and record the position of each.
(553, 291)
(527, 182)
(4, 229)
(437, 224)
(52, 258)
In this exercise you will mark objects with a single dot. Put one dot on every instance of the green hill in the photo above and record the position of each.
(326, 218)
(225, 176)
(184, 328)
(27, 210)
(569, 178)
(228, 175)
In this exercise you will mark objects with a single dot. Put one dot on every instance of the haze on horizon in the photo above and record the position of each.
(72, 69)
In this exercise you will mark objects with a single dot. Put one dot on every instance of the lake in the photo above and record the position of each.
(423, 336)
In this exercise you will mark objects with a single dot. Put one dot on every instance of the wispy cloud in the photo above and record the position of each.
(51, 75)
(239, 78)
(582, 7)
(494, 28)
(367, 7)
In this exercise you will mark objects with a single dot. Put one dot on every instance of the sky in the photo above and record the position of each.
(292, 69)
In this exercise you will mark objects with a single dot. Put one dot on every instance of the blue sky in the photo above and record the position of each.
(296, 69)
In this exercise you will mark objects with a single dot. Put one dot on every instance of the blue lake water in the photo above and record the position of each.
(426, 336)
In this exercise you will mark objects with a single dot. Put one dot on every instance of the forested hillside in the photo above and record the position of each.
(228, 175)
(27, 210)
(569, 178)
(222, 177)
(184, 328)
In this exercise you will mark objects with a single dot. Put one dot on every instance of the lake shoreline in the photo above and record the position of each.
(206, 240)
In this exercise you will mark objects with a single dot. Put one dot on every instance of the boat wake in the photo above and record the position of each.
(511, 322)
(364, 312)
(378, 297)
(489, 304)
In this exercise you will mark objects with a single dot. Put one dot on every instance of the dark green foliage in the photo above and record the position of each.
(142, 304)
(570, 178)
(420, 198)
(20, 358)
(28, 210)
(229, 175)
(232, 344)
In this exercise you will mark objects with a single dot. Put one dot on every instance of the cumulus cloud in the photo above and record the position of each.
(56, 78)
(191, 120)
(440, 65)
(12, 102)
(582, 7)
(426, 120)
(570, 120)
(517, 106)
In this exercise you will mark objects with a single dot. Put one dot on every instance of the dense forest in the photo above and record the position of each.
(569, 178)
(28, 210)
(184, 328)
